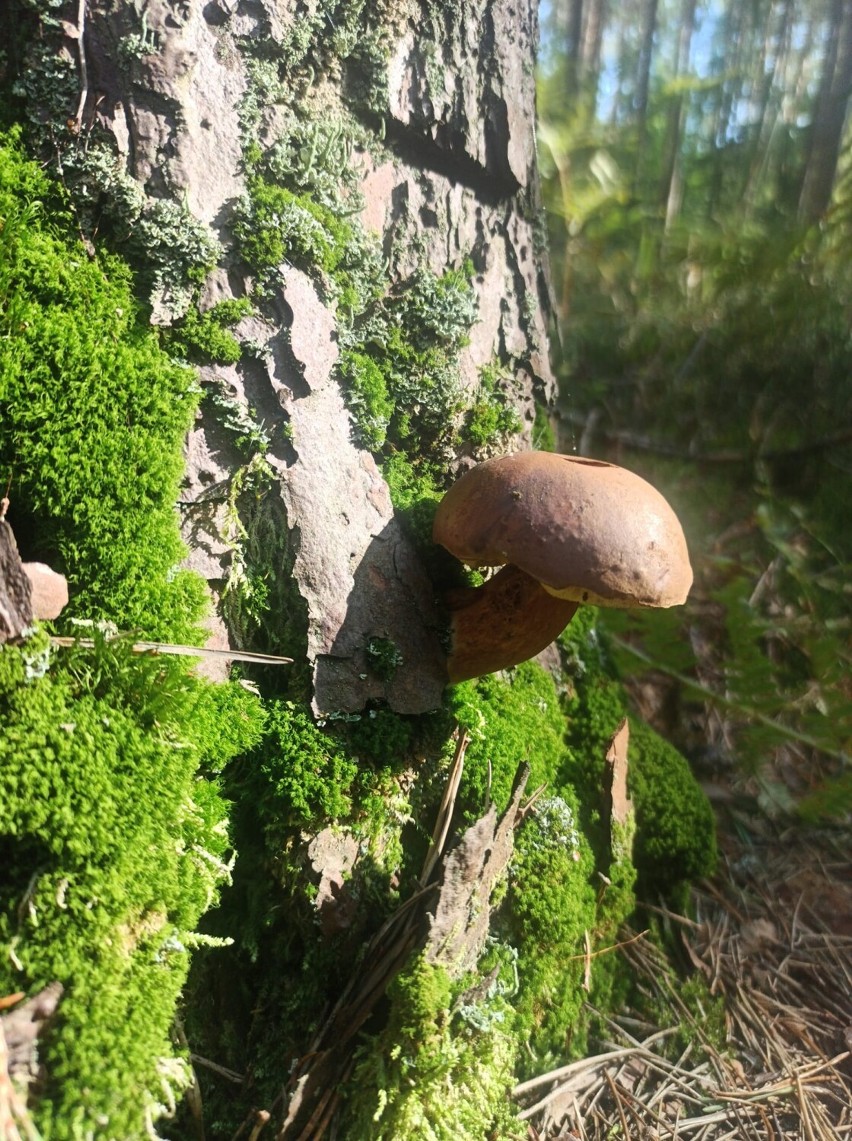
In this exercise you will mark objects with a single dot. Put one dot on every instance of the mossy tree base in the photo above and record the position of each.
(424, 342)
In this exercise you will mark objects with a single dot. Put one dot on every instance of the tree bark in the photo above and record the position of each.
(433, 111)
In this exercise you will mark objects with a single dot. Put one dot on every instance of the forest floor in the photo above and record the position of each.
(769, 1054)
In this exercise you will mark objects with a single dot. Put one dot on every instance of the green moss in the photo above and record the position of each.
(554, 895)
(399, 341)
(511, 719)
(367, 398)
(491, 417)
(283, 967)
(203, 337)
(676, 835)
(430, 1074)
(93, 419)
(487, 422)
(544, 437)
(112, 844)
(112, 849)
(307, 777)
(415, 493)
(274, 225)
(383, 657)
(552, 905)
(381, 736)
(675, 831)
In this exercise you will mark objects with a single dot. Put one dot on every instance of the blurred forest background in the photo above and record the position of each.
(698, 185)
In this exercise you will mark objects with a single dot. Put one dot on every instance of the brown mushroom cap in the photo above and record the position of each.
(586, 530)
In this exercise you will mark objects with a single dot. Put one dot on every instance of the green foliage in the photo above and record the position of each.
(112, 849)
(709, 324)
(93, 419)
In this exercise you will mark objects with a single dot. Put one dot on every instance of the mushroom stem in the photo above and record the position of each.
(507, 620)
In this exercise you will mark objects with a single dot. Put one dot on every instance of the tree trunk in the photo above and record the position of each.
(427, 124)
(365, 177)
(671, 186)
(643, 82)
(770, 87)
(572, 31)
(829, 115)
(593, 31)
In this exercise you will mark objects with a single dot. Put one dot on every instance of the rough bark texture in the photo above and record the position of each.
(447, 166)
(16, 608)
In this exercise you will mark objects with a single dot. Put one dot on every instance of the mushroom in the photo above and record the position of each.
(565, 530)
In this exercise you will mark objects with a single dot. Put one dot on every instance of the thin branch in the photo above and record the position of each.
(181, 651)
(84, 71)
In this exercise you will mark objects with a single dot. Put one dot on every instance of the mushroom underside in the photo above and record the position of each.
(507, 620)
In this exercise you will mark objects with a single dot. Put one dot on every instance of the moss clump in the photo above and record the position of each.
(274, 225)
(202, 337)
(112, 842)
(415, 492)
(488, 421)
(93, 419)
(307, 777)
(367, 397)
(676, 836)
(112, 848)
(383, 657)
(491, 418)
(675, 832)
(511, 718)
(431, 1073)
(554, 895)
(552, 905)
(543, 437)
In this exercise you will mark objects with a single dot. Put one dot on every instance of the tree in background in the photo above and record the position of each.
(699, 204)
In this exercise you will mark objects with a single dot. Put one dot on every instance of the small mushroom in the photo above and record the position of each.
(566, 530)
(49, 591)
